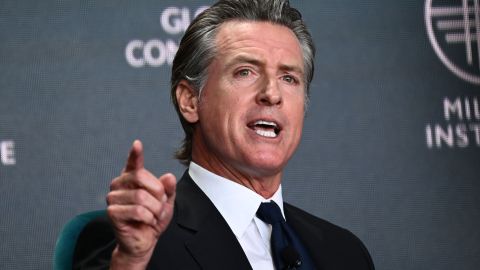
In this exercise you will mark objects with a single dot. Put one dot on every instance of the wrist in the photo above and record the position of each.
(121, 260)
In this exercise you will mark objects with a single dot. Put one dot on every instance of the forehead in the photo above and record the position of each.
(260, 39)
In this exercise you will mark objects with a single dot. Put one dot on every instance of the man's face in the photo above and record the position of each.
(251, 109)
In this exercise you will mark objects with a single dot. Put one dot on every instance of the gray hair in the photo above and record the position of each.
(197, 48)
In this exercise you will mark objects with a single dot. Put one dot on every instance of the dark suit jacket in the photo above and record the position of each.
(199, 238)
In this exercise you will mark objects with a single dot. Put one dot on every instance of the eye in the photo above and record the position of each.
(244, 73)
(290, 79)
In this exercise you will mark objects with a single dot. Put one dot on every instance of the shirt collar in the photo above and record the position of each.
(236, 203)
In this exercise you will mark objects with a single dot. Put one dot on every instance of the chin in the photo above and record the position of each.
(267, 165)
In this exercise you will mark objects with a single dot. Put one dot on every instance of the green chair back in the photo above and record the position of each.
(65, 246)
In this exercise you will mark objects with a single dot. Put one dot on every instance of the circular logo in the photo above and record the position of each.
(453, 28)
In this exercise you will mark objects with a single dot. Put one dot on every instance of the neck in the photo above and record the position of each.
(264, 185)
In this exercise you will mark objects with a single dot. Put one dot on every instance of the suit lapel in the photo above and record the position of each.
(310, 235)
(213, 246)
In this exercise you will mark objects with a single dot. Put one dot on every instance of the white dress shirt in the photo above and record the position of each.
(238, 205)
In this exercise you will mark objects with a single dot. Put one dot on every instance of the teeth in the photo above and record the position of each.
(266, 128)
(265, 133)
(262, 122)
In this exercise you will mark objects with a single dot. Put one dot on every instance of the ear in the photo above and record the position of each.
(187, 100)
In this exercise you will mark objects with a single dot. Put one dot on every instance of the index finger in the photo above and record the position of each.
(135, 157)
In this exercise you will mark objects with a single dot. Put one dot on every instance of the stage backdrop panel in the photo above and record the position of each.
(391, 143)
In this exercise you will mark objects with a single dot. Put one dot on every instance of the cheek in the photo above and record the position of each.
(215, 120)
(297, 109)
(298, 130)
(297, 113)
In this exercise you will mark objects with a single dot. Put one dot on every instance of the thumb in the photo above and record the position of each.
(135, 157)
(169, 182)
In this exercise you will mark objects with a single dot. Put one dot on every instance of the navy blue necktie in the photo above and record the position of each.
(287, 250)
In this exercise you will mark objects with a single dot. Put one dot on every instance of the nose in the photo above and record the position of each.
(270, 93)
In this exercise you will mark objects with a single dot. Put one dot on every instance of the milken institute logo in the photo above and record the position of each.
(453, 28)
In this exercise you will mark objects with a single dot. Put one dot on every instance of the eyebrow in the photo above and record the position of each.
(296, 69)
(257, 62)
(244, 59)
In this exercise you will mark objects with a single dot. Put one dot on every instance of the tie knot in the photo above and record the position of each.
(270, 213)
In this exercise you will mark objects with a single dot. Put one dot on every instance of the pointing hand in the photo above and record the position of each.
(140, 207)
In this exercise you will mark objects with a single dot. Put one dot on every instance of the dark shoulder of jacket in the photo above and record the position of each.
(333, 233)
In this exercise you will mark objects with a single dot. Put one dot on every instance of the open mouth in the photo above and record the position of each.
(265, 128)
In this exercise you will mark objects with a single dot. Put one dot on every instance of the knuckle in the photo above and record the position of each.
(141, 173)
(119, 181)
(111, 211)
(135, 180)
(139, 211)
(114, 183)
(140, 196)
(109, 198)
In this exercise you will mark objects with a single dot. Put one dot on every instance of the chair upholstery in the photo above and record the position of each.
(65, 246)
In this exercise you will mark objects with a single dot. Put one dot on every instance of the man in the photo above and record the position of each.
(240, 84)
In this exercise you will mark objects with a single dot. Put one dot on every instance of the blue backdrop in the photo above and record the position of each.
(391, 143)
